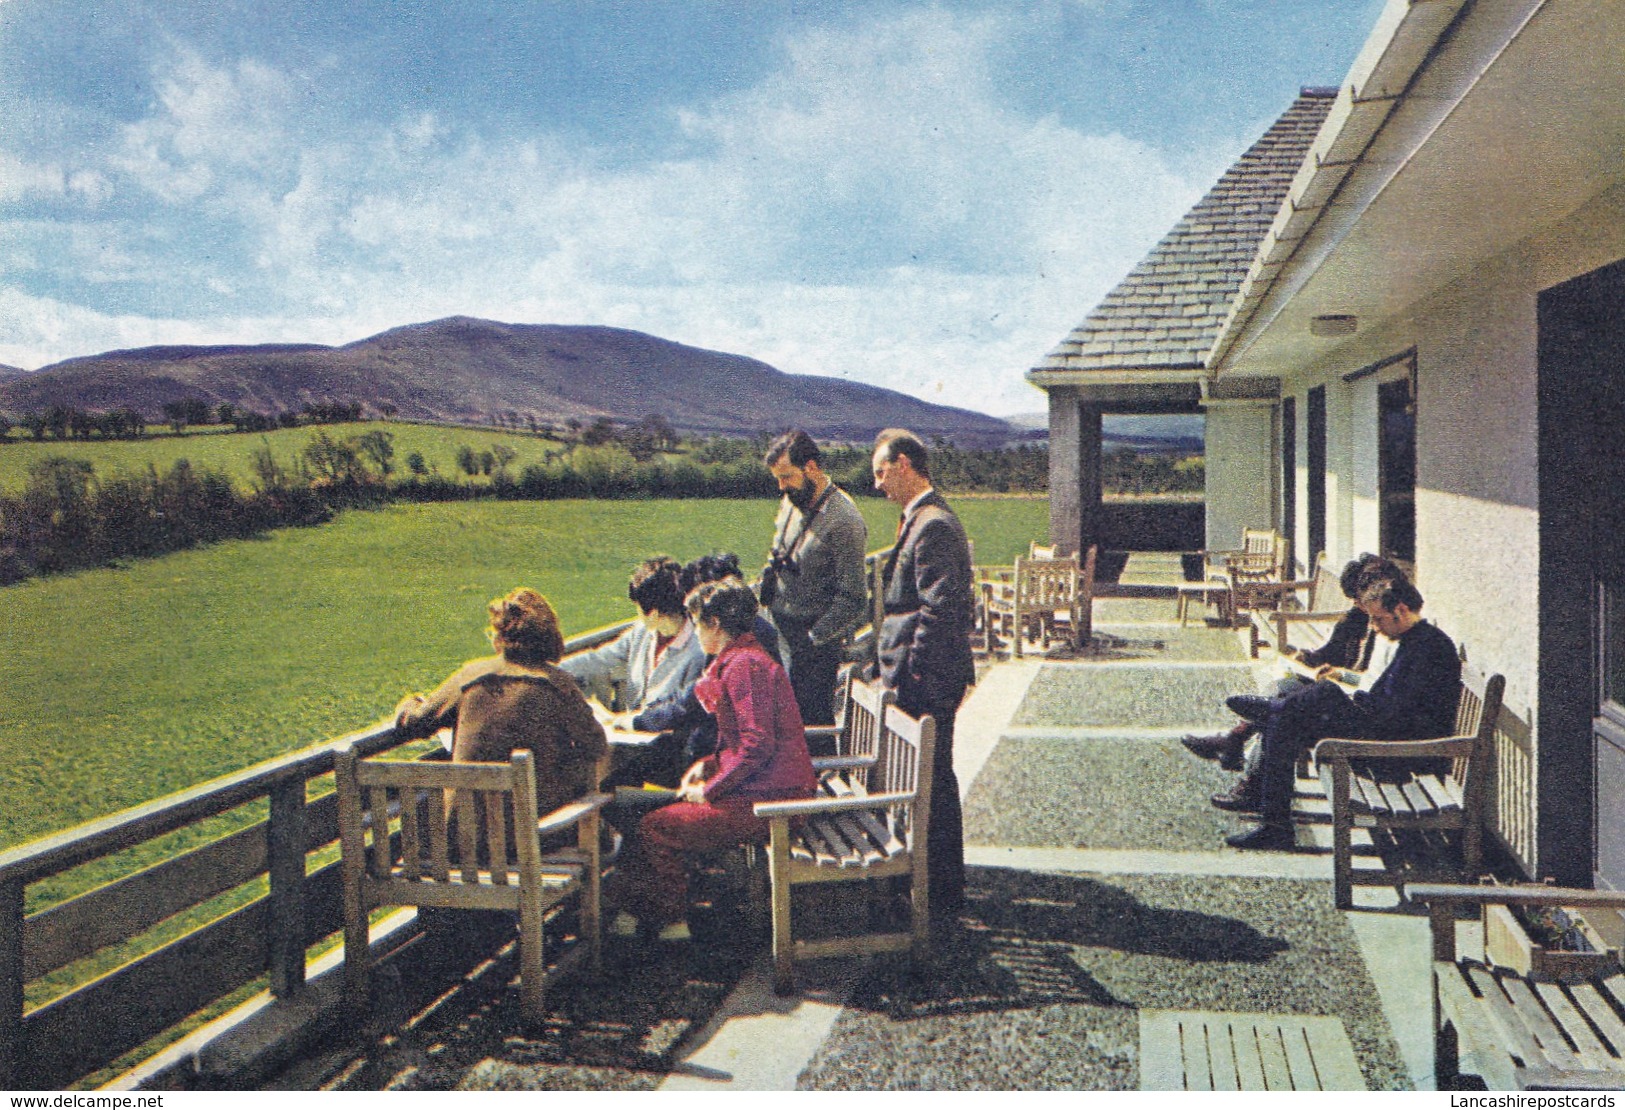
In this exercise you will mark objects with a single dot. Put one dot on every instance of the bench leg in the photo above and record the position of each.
(1342, 838)
(532, 962)
(784, 974)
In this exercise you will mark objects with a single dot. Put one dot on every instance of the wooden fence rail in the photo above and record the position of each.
(95, 1023)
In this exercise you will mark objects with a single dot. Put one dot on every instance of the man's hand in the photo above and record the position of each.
(692, 792)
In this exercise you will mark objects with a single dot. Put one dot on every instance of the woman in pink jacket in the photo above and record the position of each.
(761, 756)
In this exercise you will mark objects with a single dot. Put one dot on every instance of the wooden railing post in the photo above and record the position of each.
(285, 858)
(11, 984)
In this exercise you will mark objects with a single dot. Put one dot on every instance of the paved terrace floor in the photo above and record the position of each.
(1099, 885)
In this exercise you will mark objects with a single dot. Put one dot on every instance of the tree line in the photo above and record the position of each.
(67, 517)
(67, 422)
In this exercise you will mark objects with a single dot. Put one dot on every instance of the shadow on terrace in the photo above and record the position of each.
(1100, 892)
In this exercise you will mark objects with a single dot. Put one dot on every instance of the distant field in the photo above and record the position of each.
(229, 453)
(124, 685)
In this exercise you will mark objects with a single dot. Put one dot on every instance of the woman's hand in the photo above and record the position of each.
(692, 787)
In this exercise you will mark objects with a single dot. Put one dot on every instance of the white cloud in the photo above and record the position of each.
(873, 211)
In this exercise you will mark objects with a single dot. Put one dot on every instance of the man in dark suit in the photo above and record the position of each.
(924, 640)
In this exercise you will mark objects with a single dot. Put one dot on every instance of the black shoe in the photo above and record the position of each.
(1222, 747)
(1249, 707)
(1268, 837)
(1244, 797)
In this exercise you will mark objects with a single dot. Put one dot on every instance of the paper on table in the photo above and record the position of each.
(625, 737)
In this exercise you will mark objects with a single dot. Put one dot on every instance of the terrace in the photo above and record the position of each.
(1100, 892)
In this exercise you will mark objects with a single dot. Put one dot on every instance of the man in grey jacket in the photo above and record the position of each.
(813, 582)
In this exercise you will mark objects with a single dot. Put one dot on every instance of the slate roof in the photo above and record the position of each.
(1168, 313)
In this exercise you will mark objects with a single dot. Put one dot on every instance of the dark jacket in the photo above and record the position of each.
(495, 707)
(924, 645)
(1415, 697)
(1343, 647)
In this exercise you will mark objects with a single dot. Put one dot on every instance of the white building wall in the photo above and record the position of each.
(1477, 497)
(1241, 458)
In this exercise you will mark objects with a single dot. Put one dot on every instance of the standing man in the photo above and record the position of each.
(814, 581)
(924, 640)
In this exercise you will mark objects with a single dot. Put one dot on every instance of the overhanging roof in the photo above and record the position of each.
(1159, 324)
(1462, 130)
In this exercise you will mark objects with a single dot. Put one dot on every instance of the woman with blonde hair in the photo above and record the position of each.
(518, 698)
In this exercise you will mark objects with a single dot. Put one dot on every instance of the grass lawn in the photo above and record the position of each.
(123, 685)
(212, 448)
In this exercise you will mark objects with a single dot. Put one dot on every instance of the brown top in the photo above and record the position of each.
(495, 707)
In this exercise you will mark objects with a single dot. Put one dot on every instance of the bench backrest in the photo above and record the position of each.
(455, 824)
(1047, 583)
(862, 705)
(1477, 712)
(907, 747)
(1325, 587)
(1036, 550)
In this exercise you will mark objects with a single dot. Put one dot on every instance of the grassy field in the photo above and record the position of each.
(228, 453)
(124, 685)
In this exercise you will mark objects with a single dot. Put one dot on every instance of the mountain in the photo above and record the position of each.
(462, 369)
(7, 373)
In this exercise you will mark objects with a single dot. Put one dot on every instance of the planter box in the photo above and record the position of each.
(1508, 944)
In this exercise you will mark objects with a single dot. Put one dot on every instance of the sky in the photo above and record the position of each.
(921, 196)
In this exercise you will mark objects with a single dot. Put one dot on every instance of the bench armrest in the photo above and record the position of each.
(570, 813)
(1450, 747)
(814, 807)
(1298, 615)
(822, 731)
(842, 762)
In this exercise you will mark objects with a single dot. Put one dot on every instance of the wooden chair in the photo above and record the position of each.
(1522, 1034)
(1255, 573)
(486, 853)
(1323, 605)
(867, 826)
(1043, 597)
(1402, 799)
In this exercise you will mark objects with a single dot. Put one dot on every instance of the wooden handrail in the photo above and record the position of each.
(64, 1044)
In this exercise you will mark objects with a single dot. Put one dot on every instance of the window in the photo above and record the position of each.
(1289, 472)
(1396, 468)
(1316, 435)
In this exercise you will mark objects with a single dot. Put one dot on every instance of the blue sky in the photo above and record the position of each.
(924, 196)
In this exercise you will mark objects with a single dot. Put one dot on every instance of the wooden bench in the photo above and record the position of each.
(1194, 1050)
(1521, 1034)
(464, 836)
(1307, 623)
(867, 825)
(1369, 787)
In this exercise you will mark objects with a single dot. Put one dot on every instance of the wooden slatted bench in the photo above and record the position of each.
(1398, 798)
(1193, 1050)
(1308, 622)
(1522, 1033)
(867, 824)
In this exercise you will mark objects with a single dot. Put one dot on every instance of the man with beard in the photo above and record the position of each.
(813, 583)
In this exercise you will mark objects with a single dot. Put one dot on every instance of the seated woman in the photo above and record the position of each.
(518, 698)
(658, 657)
(761, 756)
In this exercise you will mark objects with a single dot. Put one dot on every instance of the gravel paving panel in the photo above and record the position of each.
(1127, 643)
(1106, 794)
(1131, 610)
(1044, 989)
(1131, 697)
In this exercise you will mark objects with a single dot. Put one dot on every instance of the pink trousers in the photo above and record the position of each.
(658, 872)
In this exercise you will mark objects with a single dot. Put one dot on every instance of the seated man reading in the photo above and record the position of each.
(1347, 649)
(1414, 699)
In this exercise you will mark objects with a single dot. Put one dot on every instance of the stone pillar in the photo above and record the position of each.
(1242, 458)
(1075, 512)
